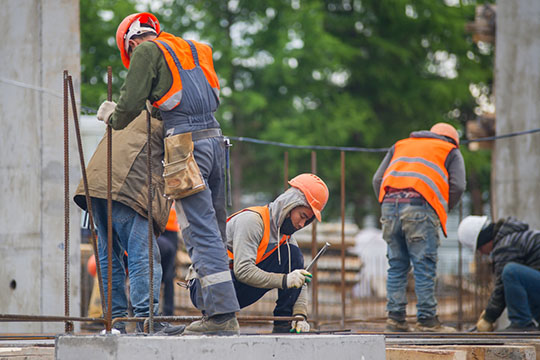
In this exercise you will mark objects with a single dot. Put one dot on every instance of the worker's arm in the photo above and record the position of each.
(246, 230)
(378, 177)
(148, 78)
(301, 304)
(456, 177)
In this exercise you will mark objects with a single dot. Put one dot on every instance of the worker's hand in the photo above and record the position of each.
(300, 326)
(105, 111)
(482, 325)
(297, 278)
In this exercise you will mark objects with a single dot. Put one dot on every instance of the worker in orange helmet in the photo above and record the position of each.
(420, 179)
(178, 78)
(264, 256)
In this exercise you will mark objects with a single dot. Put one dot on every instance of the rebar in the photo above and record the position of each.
(315, 271)
(342, 239)
(68, 325)
(109, 208)
(150, 225)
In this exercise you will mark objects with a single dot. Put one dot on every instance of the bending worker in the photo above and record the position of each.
(177, 76)
(264, 256)
(420, 179)
(515, 253)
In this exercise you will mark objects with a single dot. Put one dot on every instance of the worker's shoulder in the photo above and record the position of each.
(149, 48)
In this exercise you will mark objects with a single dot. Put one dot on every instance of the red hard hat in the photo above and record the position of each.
(315, 191)
(125, 31)
(445, 129)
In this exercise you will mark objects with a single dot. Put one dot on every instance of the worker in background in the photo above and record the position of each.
(264, 256)
(418, 182)
(129, 218)
(168, 245)
(177, 76)
(515, 252)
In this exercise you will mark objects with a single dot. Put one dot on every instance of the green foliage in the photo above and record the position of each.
(334, 72)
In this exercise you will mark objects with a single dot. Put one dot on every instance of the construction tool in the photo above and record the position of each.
(312, 263)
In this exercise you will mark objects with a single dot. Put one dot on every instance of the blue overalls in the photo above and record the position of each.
(202, 216)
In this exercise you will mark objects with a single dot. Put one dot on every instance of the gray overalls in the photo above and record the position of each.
(202, 216)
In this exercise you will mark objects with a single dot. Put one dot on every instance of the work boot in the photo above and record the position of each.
(281, 327)
(162, 329)
(118, 329)
(433, 325)
(223, 324)
(518, 328)
(393, 325)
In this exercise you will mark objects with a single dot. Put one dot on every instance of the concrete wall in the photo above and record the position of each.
(40, 38)
(516, 165)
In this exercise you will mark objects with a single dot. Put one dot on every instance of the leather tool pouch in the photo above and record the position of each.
(181, 172)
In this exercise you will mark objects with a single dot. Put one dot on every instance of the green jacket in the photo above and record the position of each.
(129, 175)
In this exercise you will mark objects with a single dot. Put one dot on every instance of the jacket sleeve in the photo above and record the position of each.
(301, 304)
(378, 176)
(456, 177)
(247, 234)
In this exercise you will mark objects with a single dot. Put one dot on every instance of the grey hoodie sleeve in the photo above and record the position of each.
(456, 177)
(246, 231)
(378, 177)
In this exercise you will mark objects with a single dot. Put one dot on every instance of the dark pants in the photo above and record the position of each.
(248, 295)
(168, 244)
(521, 289)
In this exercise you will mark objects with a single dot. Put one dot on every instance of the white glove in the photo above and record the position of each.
(300, 326)
(105, 111)
(297, 278)
(482, 325)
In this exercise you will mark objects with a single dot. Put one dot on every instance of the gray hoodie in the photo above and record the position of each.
(244, 234)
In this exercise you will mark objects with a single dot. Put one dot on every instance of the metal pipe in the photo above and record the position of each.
(315, 281)
(460, 275)
(86, 192)
(342, 239)
(109, 208)
(68, 325)
(316, 257)
(150, 223)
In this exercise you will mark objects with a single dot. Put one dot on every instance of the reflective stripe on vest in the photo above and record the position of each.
(176, 52)
(424, 172)
(263, 250)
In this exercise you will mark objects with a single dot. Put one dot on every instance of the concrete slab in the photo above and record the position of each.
(476, 352)
(261, 347)
(425, 354)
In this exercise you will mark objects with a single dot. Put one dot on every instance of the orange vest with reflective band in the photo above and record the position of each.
(264, 249)
(181, 48)
(418, 163)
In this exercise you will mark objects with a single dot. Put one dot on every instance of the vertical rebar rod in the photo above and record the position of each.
(109, 208)
(150, 225)
(68, 327)
(86, 191)
(314, 271)
(342, 239)
(285, 170)
(460, 275)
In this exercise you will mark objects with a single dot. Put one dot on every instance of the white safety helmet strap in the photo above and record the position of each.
(136, 29)
(469, 229)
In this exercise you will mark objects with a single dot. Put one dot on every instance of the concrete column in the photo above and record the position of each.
(516, 165)
(40, 38)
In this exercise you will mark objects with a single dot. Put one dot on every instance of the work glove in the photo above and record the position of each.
(297, 278)
(300, 326)
(482, 325)
(105, 111)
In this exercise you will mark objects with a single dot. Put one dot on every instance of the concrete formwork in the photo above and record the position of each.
(40, 38)
(516, 165)
(313, 347)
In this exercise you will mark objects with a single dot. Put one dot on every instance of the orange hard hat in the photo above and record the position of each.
(446, 129)
(172, 223)
(91, 265)
(314, 189)
(131, 26)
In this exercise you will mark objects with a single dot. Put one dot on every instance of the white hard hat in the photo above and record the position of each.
(468, 230)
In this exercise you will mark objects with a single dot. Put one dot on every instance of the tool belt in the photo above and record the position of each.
(181, 173)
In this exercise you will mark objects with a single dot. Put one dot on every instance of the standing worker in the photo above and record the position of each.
(515, 253)
(179, 79)
(263, 256)
(129, 194)
(420, 179)
(168, 245)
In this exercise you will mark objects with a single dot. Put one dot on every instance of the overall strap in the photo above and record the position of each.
(194, 52)
(172, 53)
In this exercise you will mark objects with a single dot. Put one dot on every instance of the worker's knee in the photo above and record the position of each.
(510, 271)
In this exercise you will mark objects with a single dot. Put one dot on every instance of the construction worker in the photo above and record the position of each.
(129, 192)
(177, 76)
(168, 245)
(420, 179)
(515, 253)
(264, 256)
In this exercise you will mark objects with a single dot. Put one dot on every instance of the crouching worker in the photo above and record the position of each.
(264, 256)
(515, 252)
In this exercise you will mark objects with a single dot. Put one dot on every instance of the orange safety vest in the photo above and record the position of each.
(182, 50)
(418, 163)
(264, 249)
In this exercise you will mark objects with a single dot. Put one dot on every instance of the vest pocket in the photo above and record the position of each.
(181, 173)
